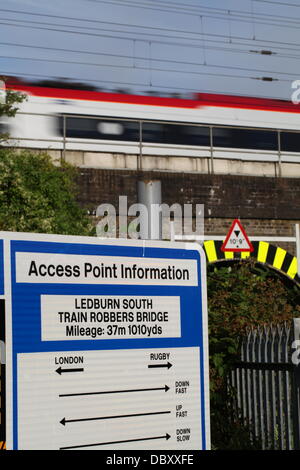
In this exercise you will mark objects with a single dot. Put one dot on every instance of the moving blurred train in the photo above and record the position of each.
(232, 127)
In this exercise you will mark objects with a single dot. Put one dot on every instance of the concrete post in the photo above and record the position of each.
(149, 194)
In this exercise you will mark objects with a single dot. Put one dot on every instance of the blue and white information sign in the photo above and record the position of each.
(106, 344)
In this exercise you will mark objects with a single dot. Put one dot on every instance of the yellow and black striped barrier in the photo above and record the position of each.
(264, 252)
(2, 445)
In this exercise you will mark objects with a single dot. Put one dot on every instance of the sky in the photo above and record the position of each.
(155, 45)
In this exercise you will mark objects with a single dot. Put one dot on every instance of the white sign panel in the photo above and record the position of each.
(67, 317)
(107, 344)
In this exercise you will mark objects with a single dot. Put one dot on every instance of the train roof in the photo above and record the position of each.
(198, 100)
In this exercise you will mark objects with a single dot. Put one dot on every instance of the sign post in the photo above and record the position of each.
(106, 344)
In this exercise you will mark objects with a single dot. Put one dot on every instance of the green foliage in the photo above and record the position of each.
(10, 106)
(37, 196)
(241, 296)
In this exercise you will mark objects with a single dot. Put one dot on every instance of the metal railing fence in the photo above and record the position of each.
(265, 386)
(275, 155)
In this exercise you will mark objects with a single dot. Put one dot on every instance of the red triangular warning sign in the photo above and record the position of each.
(236, 239)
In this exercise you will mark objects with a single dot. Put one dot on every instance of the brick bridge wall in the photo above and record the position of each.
(266, 206)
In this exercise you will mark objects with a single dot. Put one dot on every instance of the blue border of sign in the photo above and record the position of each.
(1, 268)
(26, 318)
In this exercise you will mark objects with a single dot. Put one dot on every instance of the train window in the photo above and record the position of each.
(196, 135)
(186, 135)
(244, 138)
(153, 132)
(290, 141)
(177, 134)
(91, 128)
(74, 125)
(110, 128)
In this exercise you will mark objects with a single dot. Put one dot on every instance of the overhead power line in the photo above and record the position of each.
(150, 68)
(153, 59)
(214, 41)
(278, 3)
(202, 7)
(165, 35)
(157, 87)
(135, 57)
(171, 8)
(159, 69)
(202, 11)
(273, 42)
(141, 33)
(132, 56)
(228, 15)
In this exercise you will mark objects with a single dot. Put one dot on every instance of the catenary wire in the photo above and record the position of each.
(159, 69)
(87, 80)
(230, 17)
(189, 45)
(278, 3)
(147, 6)
(232, 67)
(226, 13)
(147, 40)
(212, 65)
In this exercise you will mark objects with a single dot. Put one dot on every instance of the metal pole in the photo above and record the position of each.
(64, 138)
(139, 164)
(211, 143)
(149, 196)
(279, 153)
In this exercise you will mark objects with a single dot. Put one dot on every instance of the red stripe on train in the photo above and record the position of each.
(202, 99)
(61, 93)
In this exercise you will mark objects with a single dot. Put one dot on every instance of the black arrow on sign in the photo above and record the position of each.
(64, 420)
(166, 436)
(154, 366)
(62, 371)
(165, 388)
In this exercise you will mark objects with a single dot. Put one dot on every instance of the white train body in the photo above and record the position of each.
(210, 125)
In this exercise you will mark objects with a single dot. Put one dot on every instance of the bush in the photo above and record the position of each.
(37, 196)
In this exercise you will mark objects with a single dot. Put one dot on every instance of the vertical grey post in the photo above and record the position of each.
(279, 153)
(64, 138)
(140, 156)
(211, 143)
(149, 194)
